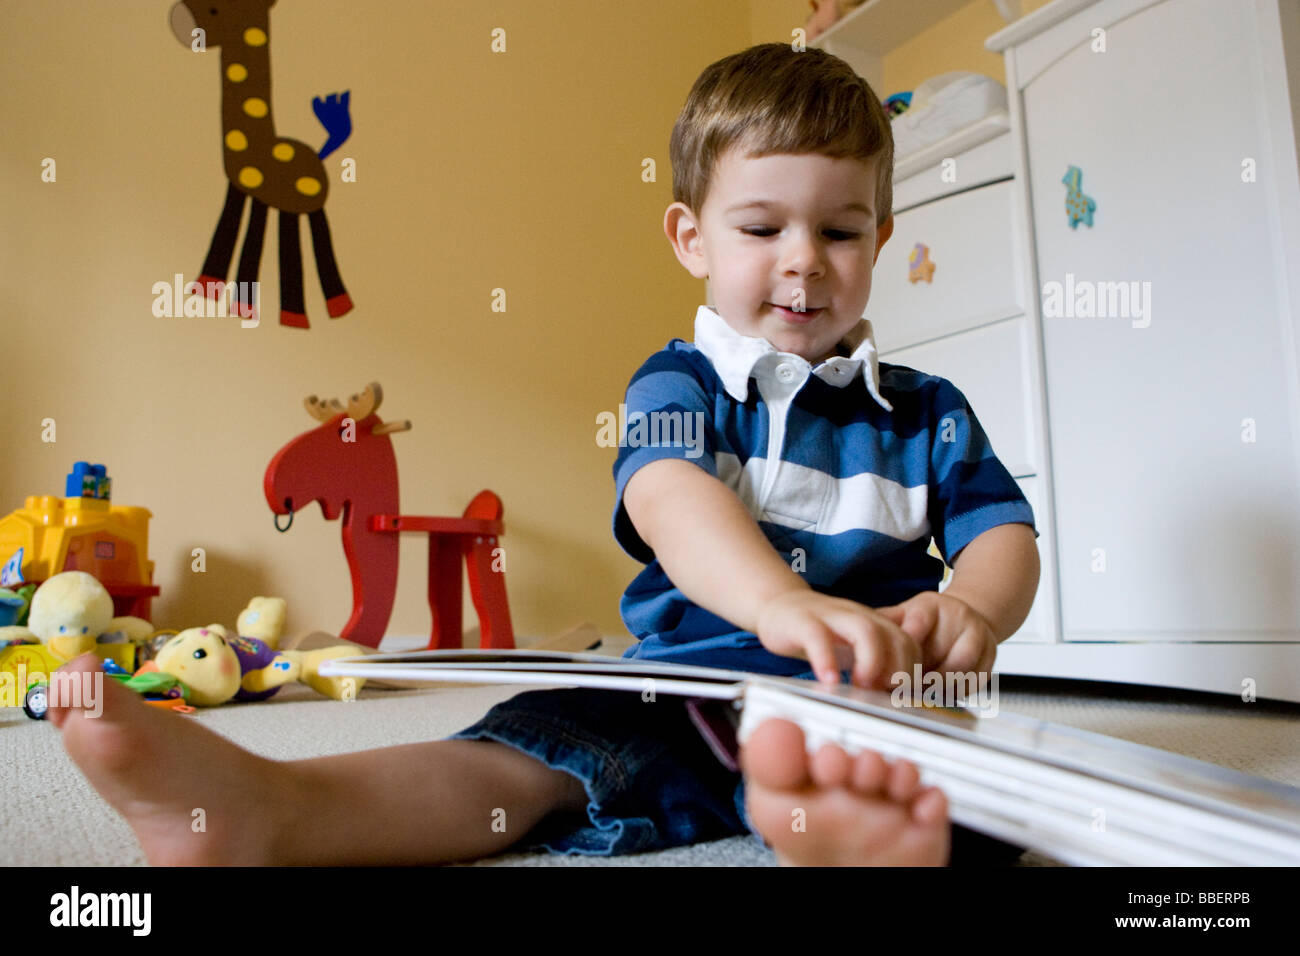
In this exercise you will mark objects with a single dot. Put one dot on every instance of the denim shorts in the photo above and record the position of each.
(652, 782)
(658, 773)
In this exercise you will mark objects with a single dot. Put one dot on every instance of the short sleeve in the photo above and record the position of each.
(972, 489)
(667, 413)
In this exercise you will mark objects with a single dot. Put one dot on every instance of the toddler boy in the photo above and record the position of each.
(789, 538)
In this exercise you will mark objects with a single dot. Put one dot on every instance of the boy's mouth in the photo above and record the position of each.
(796, 318)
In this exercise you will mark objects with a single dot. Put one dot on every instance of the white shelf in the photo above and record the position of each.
(981, 131)
(1034, 24)
(879, 26)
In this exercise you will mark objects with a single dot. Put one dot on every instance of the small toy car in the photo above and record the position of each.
(37, 701)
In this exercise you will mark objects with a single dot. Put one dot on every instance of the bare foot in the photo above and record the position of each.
(191, 796)
(832, 809)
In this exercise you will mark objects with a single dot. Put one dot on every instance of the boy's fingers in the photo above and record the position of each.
(984, 651)
(921, 621)
(915, 621)
(894, 612)
(970, 652)
(909, 652)
(821, 655)
(880, 648)
(957, 656)
(904, 650)
(864, 638)
(866, 662)
(819, 646)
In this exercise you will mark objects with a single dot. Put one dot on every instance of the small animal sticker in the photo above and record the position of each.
(1078, 207)
(919, 265)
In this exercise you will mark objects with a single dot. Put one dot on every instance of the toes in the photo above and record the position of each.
(930, 807)
(830, 766)
(63, 698)
(869, 772)
(903, 780)
(774, 755)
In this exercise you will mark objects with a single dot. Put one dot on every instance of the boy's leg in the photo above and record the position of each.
(191, 796)
(434, 802)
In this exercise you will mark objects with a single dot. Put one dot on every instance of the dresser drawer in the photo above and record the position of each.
(974, 279)
(990, 365)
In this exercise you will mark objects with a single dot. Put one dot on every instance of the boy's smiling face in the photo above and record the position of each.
(774, 225)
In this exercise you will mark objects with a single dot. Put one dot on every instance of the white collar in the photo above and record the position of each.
(734, 357)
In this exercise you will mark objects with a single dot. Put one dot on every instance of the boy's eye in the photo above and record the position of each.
(763, 232)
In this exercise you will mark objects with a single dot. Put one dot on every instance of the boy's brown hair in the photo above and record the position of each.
(770, 99)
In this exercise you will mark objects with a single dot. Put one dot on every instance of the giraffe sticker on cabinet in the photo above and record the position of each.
(263, 168)
(1078, 207)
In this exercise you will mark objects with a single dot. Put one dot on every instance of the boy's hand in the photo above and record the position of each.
(953, 636)
(835, 634)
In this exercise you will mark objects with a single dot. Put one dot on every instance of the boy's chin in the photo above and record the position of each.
(802, 345)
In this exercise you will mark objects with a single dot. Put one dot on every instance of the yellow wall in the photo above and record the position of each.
(956, 43)
(475, 171)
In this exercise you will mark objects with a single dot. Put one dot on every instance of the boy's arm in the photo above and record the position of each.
(997, 575)
(707, 541)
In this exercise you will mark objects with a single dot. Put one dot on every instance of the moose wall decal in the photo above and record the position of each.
(347, 464)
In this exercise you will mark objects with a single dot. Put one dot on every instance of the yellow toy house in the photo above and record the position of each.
(84, 532)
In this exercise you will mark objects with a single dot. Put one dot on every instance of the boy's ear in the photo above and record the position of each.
(885, 230)
(684, 234)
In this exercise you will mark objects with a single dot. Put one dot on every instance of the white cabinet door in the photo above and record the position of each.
(1174, 426)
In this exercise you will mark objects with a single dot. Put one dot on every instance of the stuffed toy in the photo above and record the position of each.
(127, 630)
(69, 612)
(826, 13)
(72, 612)
(217, 667)
(67, 615)
(15, 634)
(263, 619)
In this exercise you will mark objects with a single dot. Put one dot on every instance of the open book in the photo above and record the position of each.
(1079, 797)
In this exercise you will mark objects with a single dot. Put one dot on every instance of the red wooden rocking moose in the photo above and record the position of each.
(347, 464)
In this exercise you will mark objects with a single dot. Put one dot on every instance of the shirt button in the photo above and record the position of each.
(786, 373)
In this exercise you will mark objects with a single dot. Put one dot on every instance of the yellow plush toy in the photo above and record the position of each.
(218, 667)
(203, 659)
(127, 630)
(69, 612)
(264, 620)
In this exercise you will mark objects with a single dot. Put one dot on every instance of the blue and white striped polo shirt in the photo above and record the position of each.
(848, 481)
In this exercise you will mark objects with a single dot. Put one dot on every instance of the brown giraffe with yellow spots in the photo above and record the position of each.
(267, 169)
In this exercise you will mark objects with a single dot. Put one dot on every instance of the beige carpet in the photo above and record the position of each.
(55, 818)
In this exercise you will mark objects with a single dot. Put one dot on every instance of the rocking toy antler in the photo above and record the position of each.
(360, 406)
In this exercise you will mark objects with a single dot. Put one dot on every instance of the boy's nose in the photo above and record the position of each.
(801, 256)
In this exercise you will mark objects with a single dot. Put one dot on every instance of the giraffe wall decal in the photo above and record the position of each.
(264, 169)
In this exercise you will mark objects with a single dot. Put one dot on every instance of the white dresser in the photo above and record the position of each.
(1137, 375)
